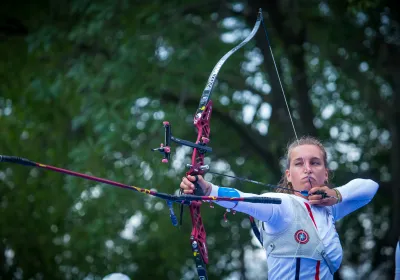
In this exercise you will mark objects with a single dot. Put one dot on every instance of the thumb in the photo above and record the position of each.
(192, 178)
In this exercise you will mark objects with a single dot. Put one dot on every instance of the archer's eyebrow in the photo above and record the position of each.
(301, 159)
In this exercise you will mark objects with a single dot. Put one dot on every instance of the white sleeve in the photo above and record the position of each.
(397, 265)
(355, 194)
(276, 216)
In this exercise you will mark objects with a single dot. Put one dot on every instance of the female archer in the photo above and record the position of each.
(299, 235)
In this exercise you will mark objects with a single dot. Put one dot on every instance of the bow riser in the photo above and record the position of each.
(198, 236)
(202, 124)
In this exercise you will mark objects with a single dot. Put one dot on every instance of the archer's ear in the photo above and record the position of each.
(287, 173)
(326, 174)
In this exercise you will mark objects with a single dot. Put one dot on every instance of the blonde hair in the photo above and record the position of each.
(305, 140)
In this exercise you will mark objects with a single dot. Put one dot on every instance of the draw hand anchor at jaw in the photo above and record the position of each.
(319, 192)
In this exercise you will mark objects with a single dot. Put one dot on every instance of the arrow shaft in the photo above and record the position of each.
(182, 199)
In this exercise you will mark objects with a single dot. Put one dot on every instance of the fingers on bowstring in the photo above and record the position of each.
(313, 190)
(315, 197)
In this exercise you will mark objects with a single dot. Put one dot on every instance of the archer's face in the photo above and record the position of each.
(306, 161)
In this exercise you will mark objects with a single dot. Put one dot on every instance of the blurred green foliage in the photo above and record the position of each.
(85, 85)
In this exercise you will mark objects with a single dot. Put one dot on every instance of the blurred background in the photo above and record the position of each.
(85, 85)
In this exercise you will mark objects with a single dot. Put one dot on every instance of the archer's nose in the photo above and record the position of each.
(307, 169)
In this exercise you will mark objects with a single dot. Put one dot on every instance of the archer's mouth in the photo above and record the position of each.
(308, 179)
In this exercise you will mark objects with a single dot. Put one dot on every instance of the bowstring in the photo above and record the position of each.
(290, 114)
(279, 79)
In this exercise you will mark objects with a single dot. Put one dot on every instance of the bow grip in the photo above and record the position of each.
(197, 189)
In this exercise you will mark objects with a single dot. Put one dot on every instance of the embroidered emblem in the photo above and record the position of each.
(301, 236)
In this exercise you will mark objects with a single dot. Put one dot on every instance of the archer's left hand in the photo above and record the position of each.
(317, 200)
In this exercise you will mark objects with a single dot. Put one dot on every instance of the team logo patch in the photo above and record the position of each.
(301, 236)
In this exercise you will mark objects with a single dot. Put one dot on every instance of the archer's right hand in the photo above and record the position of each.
(187, 185)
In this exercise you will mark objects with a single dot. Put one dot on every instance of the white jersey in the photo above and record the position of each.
(278, 217)
(397, 272)
(116, 276)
